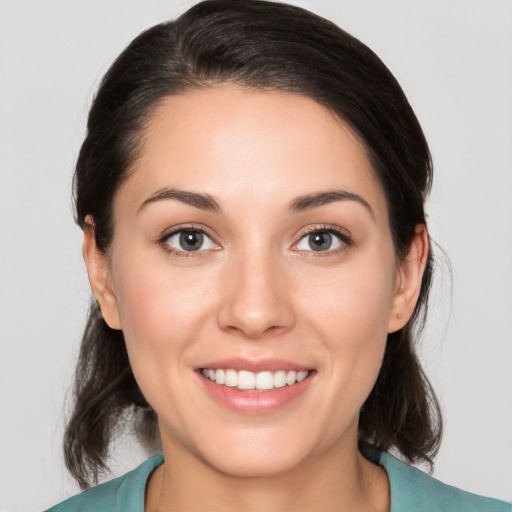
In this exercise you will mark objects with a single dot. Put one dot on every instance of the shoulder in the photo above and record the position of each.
(414, 491)
(123, 494)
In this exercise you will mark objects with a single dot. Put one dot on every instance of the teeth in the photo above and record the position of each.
(219, 376)
(290, 378)
(246, 380)
(263, 381)
(301, 376)
(231, 378)
(280, 379)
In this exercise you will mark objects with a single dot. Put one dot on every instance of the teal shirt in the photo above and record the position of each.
(411, 491)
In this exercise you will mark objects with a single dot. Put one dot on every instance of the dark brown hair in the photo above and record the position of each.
(263, 45)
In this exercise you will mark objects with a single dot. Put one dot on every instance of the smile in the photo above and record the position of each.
(248, 381)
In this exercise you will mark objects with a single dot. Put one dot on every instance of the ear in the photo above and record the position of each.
(100, 277)
(409, 278)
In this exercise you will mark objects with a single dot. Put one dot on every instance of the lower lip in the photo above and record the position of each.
(255, 402)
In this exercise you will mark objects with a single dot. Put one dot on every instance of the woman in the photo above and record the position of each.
(251, 192)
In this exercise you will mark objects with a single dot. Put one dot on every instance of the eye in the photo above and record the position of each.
(321, 241)
(189, 240)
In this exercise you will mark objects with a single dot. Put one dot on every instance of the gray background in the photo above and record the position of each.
(454, 60)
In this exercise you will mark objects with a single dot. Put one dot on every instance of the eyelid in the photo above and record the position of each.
(162, 239)
(342, 234)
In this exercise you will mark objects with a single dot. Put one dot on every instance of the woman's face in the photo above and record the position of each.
(254, 277)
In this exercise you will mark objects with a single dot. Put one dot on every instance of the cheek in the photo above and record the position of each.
(351, 317)
(162, 312)
(353, 306)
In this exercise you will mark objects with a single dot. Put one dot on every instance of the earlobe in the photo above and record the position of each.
(409, 279)
(100, 277)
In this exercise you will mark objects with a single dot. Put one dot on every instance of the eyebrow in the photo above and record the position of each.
(208, 203)
(201, 201)
(322, 198)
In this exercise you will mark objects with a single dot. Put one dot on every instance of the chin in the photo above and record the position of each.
(257, 453)
(254, 465)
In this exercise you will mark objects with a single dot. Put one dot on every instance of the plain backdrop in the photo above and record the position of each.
(454, 61)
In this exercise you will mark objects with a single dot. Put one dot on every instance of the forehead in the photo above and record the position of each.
(228, 141)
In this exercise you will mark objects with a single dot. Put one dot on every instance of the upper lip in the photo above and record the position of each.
(254, 365)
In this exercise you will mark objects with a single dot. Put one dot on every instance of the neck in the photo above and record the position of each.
(339, 480)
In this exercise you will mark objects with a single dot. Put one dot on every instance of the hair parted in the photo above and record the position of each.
(269, 46)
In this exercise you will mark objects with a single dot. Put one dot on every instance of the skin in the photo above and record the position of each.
(256, 291)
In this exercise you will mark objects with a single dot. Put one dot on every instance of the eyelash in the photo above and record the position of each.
(183, 229)
(345, 241)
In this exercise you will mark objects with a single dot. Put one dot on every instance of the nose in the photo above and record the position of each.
(256, 298)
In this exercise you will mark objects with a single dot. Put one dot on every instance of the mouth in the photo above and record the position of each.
(244, 380)
(257, 386)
